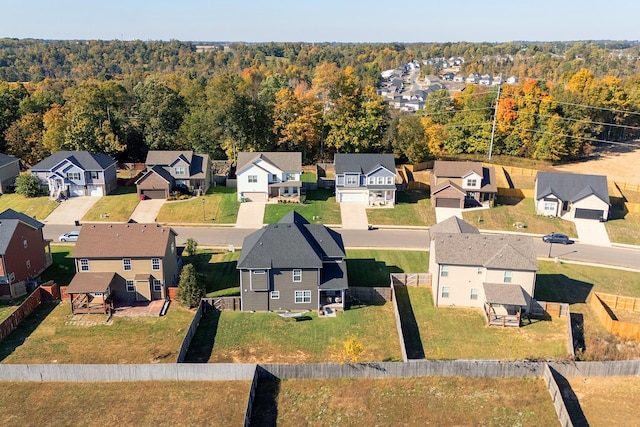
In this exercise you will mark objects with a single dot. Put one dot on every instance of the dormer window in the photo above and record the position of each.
(472, 182)
(179, 170)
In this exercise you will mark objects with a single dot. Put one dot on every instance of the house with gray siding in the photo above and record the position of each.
(167, 170)
(462, 184)
(293, 266)
(572, 195)
(76, 173)
(9, 171)
(365, 178)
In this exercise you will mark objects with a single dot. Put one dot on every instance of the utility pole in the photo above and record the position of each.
(495, 117)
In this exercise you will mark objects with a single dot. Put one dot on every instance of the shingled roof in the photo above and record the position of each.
(571, 186)
(285, 161)
(9, 221)
(122, 241)
(451, 169)
(83, 159)
(167, 157)
(452, 224)
(6, 159)
(363, 162)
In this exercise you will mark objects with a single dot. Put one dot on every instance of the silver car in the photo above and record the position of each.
(71, 236)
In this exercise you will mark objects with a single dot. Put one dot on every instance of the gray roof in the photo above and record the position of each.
(504, 293)
(6, 159)
(83, 159)
(11, 214)
(90, 282)
(507, 252)
(166, 157)
(453, 225)
(334, 276)
(451, 169)
(285, 161)
(291, 243)
(571, 186)
(156, 169)
(9, 221)
(363, 162)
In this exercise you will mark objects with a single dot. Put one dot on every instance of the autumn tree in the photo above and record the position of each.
(24, 139)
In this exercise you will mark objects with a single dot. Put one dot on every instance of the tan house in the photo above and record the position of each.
(462, 184)
(141, 259)
(169, 170)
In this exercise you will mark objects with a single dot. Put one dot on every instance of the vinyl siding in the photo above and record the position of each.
(281, 280)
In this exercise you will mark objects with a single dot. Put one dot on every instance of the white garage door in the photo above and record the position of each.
(352, 198)
(76, 190)
(95, 190)
(254, 197)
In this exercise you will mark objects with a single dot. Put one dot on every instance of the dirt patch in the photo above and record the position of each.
(597, 397)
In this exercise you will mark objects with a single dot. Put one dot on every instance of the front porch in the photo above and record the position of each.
(288, 191)
(382, 198)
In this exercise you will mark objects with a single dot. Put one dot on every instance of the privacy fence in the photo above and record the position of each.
(25, 309)
(609, 308)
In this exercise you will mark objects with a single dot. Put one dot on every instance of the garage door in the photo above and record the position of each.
(352, 197)
(95, 190)
(447, 203)
(153, 194)
(589, 213)
(254, 197)
(76, 190)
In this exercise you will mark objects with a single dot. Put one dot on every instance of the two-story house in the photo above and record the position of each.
(365, 178)
(494, 272)
(141, 261)
(24, 252)
(462, 184)
(292, 265)
(76, 173)
(265, 175)
(168, 170)
(9, 171)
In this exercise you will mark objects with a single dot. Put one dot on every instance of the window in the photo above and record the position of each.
(291, 177)
(73, 176)
(285, 190)
(352, 180)
(93, 175)
(297, 275)
(444, 271)
(380, 180)
(372, 180)
(126, 264)
(274, 177)
(472, 182)
(131, 287)
(28, 263)
(252, 178)
(275, 294)
(303, 297)
(507, 277)
(179, 170)
(474, 294)
(155, 264)
(173, 247)
(84, 264)
(479, 270)
(258, 271)
(549, 206)
(445, 292)
(157, 285)
(25, 244)
(389, 180)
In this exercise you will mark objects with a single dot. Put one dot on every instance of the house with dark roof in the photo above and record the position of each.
(462, 184)
(24, 252)
(572, 195)
(169, 170)
(9, 171)
(269, 175)
(496, 273)
(293, 265)
(76, 173)
(365, 178)
(124, 263)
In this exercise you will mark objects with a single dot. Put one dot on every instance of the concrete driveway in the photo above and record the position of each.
(445, 213)
(251, 215)
(354, 216)
(147, 211)
(71, 210)
(592, 232)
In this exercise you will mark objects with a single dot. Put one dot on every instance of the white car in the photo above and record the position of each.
(71, 236)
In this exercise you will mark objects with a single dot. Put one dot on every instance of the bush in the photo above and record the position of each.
(191, 246)
(28, 185)
(190, 291)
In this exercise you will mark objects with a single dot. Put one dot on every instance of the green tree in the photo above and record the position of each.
(28, 185)
(191, 246)
(24, 139)
(190, 291)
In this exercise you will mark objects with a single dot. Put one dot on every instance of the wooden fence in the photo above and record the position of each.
(628, 186)
(396, 313)
(411, 279)
(366, 295)
(514, 170)
(541, 309)
(604, 304)
(632, 207)
(556, 397)
(222, 303)
(421, 166)
(186, 342)
(521, 193)
(22, 312)
(251, 398)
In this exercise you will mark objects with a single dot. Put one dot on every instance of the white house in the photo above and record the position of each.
(365, 178)
(265, 175)
(572, 195)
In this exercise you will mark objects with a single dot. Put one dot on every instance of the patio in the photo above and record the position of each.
(140, 308)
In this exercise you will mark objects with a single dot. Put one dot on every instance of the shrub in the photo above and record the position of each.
(28, 185)
(190, 291)
(191, 246)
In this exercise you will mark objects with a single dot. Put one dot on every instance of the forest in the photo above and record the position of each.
(124, 98)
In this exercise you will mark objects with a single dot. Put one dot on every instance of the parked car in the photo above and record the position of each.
(556, 238)
(71, 236)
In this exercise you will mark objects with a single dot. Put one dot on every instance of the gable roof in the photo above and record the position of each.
(571, 186)
(11, 214)
(363, 163)
(89, 282)
(450, 169)
(122, 241)
(158, 170)
(504, 293)
(491, 251)
(291, 243)
(285, 161)
(83, 159)
(453, 224)
(6, 159)
(167, 157)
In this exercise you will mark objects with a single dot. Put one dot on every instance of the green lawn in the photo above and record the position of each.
(36, 207)
(462, 333)
(6, 308)
(117, 206)
(413, 207)
(509, 211)
(320, 208)
(63, 268)
(220, 207)
(624, 229)
(371, 267)
(218, 270)
(309, 177)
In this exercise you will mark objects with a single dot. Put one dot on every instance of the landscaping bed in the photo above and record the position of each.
(320, 207)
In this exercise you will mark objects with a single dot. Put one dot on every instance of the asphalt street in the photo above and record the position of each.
(394, 239)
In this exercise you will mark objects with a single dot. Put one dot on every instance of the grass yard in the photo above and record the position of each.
(174, 403)
(6, 308)
(268, 338)
(624, 229)
(117, 206)
(605, 401)
(508, 211)
(63, 268)
(371, 267)
(308, 177)
(319, 208)
(413, 207)
(462, 333)
(51, 335)
(36, 207)
(218, 270)
(415, 401)
(220, 207)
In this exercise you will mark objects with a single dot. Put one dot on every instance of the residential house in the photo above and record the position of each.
(496, 273)
(9, 171)
(125, 262)
(462, 184)
(512, 80)
(24, 252)
(473, 78)
(294, 266)
(76, 173)
(170, 170)
(572, 195)
(485, 80)
(265, 175)
(365, 178)
(459, 78)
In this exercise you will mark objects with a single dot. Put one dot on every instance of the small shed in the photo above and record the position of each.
(504, 303)
(90, 293)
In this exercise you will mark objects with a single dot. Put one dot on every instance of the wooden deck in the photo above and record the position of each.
(84, 304)
(499, 316)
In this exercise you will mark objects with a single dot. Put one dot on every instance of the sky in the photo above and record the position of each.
(322, 21)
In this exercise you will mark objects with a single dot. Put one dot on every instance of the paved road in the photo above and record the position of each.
(401, 239)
